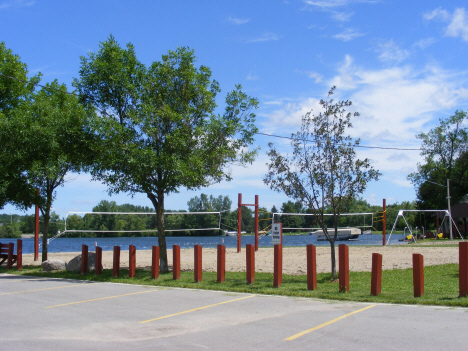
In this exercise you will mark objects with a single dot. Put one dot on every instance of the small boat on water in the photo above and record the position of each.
(232, 233)
(343, 234)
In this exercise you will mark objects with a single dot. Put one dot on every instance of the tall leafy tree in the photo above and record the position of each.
(445, 153)
(61, 121)
(323, 171)
(18, 149)
(159, 130)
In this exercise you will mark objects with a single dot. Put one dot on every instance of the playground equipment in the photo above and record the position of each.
(401, 215)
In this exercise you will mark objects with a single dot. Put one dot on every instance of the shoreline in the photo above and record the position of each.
(294, 258)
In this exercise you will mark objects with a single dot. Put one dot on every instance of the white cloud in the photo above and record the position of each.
(326, 4)
(438, 13)
(395, 104)
(348, 35)
(16, 3)
(391, 53)
(238, 21)
(317, 77)
(251, 76)
(424, 43)
(458, 21)
(265, 37)
(342, 16)
(458, 27)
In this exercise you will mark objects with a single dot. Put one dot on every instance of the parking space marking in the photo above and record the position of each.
(102, 298)
(197, 309)
(327, 323)
(57, 287)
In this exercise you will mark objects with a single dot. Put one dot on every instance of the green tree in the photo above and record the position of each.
(323, 170)
(158, 130)
(18, 147)
(61, 121)
(445, 152)
(290, 221)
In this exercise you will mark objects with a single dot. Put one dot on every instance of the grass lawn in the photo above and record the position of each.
(441, 284)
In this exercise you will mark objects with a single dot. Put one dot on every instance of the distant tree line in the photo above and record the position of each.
(15, 225)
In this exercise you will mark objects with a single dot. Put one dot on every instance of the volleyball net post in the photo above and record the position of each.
(239, 221)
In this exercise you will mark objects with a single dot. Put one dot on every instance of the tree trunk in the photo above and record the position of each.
(45, 234)
(159, 207)
(333, 259)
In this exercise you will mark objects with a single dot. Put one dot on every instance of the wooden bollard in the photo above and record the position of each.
(131, 261)
(376, 280)
(221, 273)
(311, 267)
(278, 266)
(155, 262)
(175, 262)
(250, 264)
(343, 253)
(84, 259)
(463, 268)
(19, 254)
(98, 260)
(418, 275)
(197, 263)
(116, 263)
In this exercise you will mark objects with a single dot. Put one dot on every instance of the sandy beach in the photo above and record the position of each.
(294, 258)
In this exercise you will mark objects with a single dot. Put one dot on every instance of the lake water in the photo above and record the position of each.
(145, 243)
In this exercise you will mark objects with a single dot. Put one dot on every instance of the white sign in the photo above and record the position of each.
(276, 233)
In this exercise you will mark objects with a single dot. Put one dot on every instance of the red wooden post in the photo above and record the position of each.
(36, 232)
(221, 263)
(175, 262)
(19, 254)
(116, 266)
(278, 266)
(11, 247)
(343, 253)
(384, 221)
(418, 275)
(239, 221)
(463, 268)
(84, 259)
(131, 261)
(155, 262)
(98, 260)
(250, 266)
(311, 267)
(197, 263)
(256, 223)
(376, 281)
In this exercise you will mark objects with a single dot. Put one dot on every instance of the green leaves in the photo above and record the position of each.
(157, 130)
(444, 149)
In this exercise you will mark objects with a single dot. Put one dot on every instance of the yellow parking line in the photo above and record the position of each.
(327, 323)
(197, 309)
(101, 298)
(57, 287)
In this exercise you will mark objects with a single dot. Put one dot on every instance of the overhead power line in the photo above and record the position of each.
(361, 146)
(264, 134)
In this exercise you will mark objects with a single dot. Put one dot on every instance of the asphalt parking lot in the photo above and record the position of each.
(58, 314)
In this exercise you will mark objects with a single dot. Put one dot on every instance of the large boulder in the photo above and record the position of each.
(53, 265)
(75, 263)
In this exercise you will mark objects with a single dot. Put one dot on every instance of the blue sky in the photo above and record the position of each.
(402, 64)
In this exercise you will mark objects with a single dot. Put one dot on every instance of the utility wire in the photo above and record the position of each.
(264, 134)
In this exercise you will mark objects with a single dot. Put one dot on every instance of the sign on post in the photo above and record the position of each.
(276, 233)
